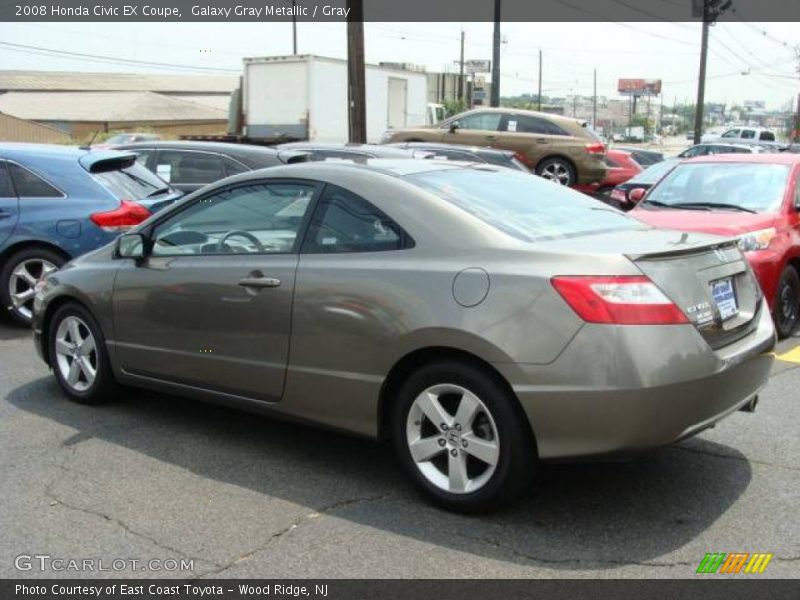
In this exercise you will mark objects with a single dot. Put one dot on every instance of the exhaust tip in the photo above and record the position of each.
(751, 405)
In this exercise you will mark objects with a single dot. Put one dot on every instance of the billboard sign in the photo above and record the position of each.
(477, 66)
(639, 87)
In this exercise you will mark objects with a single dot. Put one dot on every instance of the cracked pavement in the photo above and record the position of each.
(153, 476)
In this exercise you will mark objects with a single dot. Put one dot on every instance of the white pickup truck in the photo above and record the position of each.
(745, 135)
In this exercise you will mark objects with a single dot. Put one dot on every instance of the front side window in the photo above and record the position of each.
(253, 219)
(733, 133)
(487, 121)
(30, 185)
(344, 222)
(748, 187)
(528, 208)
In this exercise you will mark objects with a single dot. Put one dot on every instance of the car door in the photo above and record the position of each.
(189, 170)
(477, 129)
(9, 204)
(748, 134)
(211, 304)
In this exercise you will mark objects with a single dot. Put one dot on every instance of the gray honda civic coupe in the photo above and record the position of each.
(479, 319)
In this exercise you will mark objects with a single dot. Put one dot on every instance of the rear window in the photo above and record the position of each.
(767, 136)
(754, 187)
(134, 183)
(528, 208)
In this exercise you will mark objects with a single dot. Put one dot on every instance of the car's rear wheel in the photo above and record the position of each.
(787, 303)
(19, 276)
(458, 434)
(558, 170)
(78, 356)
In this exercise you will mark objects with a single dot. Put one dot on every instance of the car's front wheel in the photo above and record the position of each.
(78, 356)
(557, 170)
(19, 276)
(458, 434)
(787, 303)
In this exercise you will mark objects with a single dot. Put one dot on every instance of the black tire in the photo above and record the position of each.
(787, 303)
(516, 461)
(21, 314)
(104, 387)
(557, 169)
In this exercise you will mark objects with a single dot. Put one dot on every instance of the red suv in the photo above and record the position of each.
(753, 197)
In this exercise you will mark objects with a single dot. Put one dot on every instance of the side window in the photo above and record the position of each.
(488, 121)
(527, 124)
(748, 134)
(30, 185)
(344, 222)
(6, 188)
(733, 133)
(694, 151)
(252, 219)
(767, 136)
(179, 167)
(233, 167)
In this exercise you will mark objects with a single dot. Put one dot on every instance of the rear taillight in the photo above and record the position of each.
(596, 148)
(618, 300)
(618, 195)
(127, 215)
(523, 159)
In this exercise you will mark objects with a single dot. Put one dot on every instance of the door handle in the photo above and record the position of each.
(541, 140)
(4, 214)
(491, 138)
(260, 282)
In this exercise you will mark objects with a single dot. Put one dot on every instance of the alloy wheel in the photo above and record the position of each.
(76, 353)
(557, 172)
(452, 438)
(788, 306)
(22, 284)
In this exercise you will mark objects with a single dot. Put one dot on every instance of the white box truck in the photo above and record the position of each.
(305, 98)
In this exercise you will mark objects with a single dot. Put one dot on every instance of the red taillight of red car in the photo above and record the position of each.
(596, 148)
(127, 215)
(523, 159)
(618, 300)
(618, 195)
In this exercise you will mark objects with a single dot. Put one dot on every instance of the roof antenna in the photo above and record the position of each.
(91, 141)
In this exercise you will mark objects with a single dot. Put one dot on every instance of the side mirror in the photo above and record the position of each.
(636, 194)
(454, 126)
(130, 245)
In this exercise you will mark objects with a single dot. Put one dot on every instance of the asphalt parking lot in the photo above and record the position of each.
(157, 477)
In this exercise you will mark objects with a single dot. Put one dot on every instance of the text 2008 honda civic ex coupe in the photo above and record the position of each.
(479, 318)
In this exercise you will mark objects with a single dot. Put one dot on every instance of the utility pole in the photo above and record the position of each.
(461, 71)
(594, 102)
(356, 87)
(710, 12)
(495, 99)
(540, 79)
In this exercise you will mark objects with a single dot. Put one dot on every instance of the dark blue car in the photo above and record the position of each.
(58, 202)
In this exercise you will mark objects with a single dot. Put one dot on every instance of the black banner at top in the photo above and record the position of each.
(398, 10)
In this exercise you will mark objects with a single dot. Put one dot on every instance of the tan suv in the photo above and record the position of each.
(555, 147)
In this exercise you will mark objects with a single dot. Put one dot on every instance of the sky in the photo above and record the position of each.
(747, 61)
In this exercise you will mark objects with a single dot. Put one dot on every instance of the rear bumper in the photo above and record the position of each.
(591, 174)
(620, 390)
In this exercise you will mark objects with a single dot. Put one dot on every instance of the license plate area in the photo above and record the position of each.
(725, 298)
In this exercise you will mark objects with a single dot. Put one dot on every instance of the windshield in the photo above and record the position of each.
(752, 187)
(653, 173)
(526, 207)
(134, 183)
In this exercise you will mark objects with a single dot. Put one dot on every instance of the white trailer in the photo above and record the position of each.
(305, 98)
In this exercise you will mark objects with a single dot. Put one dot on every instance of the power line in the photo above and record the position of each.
(42, 51)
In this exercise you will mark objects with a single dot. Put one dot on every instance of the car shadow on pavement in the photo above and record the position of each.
(596, 515)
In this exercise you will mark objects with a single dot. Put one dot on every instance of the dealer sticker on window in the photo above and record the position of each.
(724, 298)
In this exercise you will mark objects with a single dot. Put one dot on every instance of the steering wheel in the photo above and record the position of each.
(245, 234)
